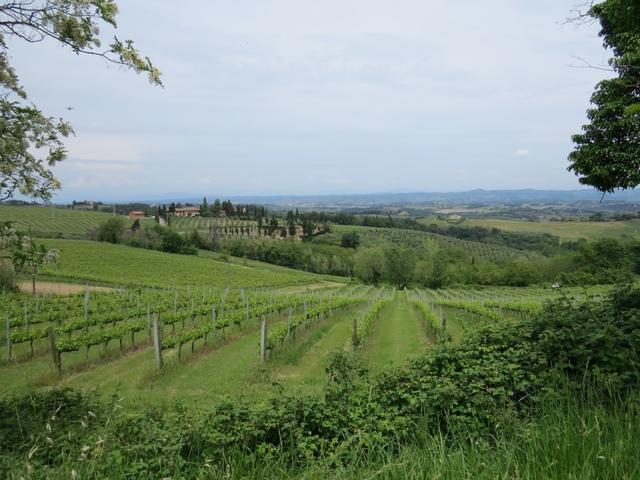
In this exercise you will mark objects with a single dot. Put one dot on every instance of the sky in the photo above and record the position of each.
(269, 97)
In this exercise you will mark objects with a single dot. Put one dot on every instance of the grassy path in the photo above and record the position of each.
(302, 364)
(231, 367)
(396, 336)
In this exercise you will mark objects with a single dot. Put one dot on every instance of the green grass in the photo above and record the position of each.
(231, 366)
(398, 335)
(565, 230)
(246, 262)
(302, 364)
(122, 265)
(228, 366)
(54, 222)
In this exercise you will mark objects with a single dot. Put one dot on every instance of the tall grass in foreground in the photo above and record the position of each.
(568, 439)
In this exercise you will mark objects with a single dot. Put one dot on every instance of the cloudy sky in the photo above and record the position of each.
(299, 97)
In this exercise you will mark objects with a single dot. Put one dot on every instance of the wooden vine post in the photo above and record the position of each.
(355, 333)
(263, 340)
(54, 350)
(86, 304)
(157, 341)
(175, 301)
(289, 323)
(213, 321)
(8, 332)
(149, 322)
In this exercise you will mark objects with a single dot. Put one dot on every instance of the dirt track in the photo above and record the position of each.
(60, 288)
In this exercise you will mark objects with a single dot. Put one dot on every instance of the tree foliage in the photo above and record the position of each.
(350, 240)
(30, 141)
(111, 230)
(24, 254)
(607, 151)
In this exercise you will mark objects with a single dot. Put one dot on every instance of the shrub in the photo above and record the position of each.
(350, 240)
(111, 230)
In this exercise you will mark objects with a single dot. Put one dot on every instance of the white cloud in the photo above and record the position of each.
(105, 148)
(300, 96)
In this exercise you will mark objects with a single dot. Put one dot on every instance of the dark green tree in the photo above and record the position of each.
(607, 152)
(439, 274)
(291, 223)
(216, 208)
(350, 240)
(400, 264)
(111, 230)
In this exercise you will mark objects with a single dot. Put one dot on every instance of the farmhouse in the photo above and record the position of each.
(136, 214)
(187, 212)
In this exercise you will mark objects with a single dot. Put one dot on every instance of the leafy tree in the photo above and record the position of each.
(273, 224)
(216, 208)
(26, 255)
(370, 265)
(111, 230)
(607, 152)
(291, 223)
(24, 130)
(204, 208)
(518, 274)
(350, 240)
(228, 208)
(173, 242)
(308, 227)
(400, 265)
(439, 272)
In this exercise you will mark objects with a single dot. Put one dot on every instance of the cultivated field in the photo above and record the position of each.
(371, 237)
(204, 224)
(82, 260)
(210, 339)
(565, 230)
(54, 222)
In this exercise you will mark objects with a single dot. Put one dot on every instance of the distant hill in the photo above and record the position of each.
(417, 198)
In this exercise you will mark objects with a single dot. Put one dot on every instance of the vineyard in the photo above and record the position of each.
(63, 335)
(54, 222)
(85, 261)
(372, 237)
(218, 226)
(201, 342)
